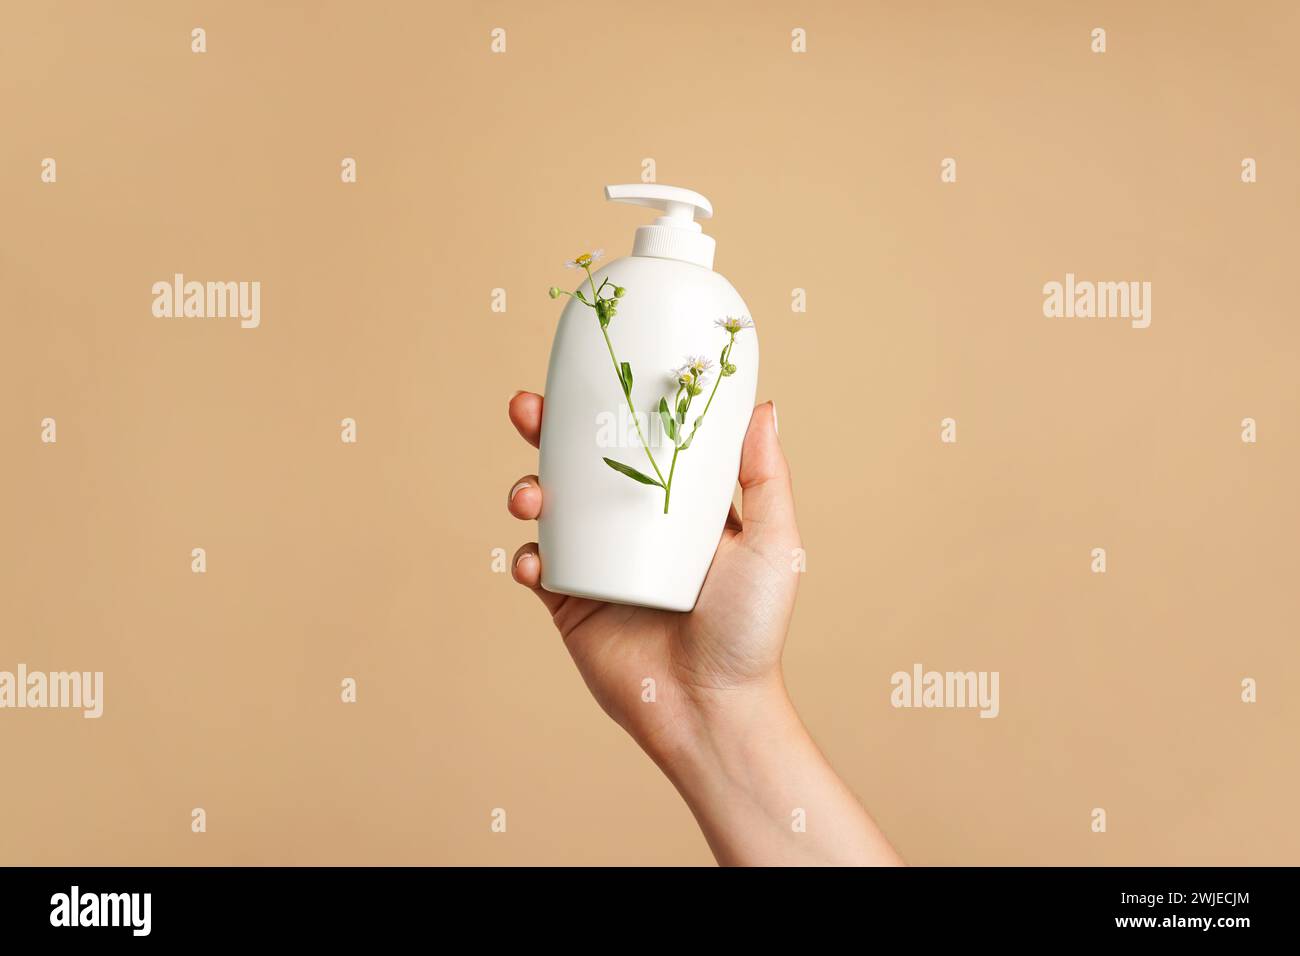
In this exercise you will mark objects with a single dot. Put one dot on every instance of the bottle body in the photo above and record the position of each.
(602, 534)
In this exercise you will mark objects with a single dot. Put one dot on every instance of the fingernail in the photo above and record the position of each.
(776, 423)
(517, 488)
(524, 557)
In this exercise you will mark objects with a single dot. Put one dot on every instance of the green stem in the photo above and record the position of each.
(668, 486)
(618, 371)
(716, 383)
(724, 359)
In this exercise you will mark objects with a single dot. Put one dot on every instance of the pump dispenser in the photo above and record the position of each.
(675, 234)
(605, 535)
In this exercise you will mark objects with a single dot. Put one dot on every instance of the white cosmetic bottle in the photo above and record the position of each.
(603, 534)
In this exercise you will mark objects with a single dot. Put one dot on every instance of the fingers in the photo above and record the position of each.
(767, 500)
(526, 414)
(527, 570)
(528, 566)
(525, 410)
(525, 500)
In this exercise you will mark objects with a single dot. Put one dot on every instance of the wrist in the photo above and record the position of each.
(753, 777)
(730, 732)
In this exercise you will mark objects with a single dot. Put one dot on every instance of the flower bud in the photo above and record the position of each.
(619, 291)
(553, 292)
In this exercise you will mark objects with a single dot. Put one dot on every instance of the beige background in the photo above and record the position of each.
(479, 171)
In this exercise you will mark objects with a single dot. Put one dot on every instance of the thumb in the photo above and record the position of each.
(767, 500)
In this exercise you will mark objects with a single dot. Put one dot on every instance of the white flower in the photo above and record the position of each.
(584, 261)
(733, 324)
(699, 365)
(693, 371)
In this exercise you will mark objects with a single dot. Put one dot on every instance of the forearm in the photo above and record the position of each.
(764, 794)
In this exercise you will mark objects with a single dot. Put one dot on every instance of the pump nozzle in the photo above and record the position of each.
(681, 205)
(676, 234)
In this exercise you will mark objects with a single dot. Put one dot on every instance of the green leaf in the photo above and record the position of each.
(670, 423)
(631, 472)
(690, 438)
(626, 375)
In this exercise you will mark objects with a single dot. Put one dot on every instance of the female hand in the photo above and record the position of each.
(721, 724)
